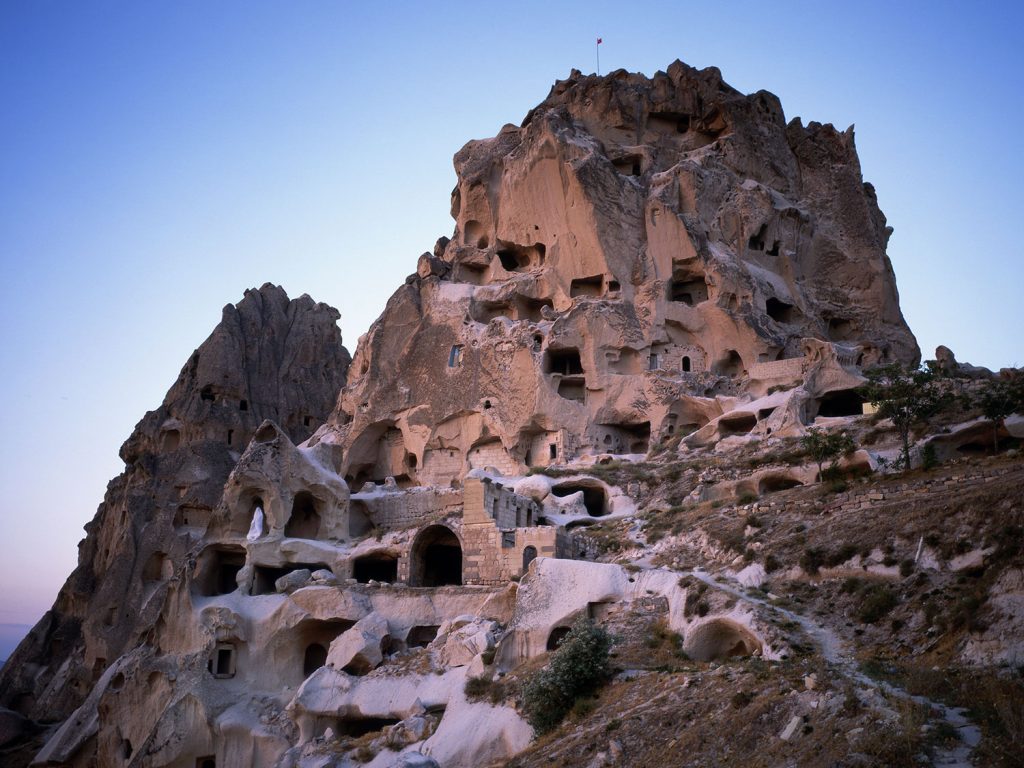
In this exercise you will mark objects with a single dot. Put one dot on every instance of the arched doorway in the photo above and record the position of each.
(721, 639)
(436, 558)
(304, 522)
(529, 555)
(314, 658)
(556, 637)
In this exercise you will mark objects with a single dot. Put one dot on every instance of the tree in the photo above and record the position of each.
(827, 446)
(998, 398)
(577, 668)
(906, 396)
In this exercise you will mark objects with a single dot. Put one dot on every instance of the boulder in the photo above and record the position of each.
(293, 580)
(360, 649)
(416, 760)
(467, 642)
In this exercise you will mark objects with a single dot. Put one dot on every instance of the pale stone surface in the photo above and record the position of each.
(360, 649)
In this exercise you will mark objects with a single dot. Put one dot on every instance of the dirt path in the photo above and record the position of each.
(834, 651)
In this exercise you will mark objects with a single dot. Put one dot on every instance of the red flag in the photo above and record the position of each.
(599, 41)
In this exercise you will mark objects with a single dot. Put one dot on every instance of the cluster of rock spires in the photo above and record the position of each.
(642, 261)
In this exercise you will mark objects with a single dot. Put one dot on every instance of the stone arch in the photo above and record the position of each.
(245, 508)
(304, 522)
(595, 495)
(380, 565)
(435, 558)
(529, 555)
(555, 637)
(314, 657)
(379, 452)
(777, 482)
(840, 402)
(721, 639)
(684, 417)
(730, 364)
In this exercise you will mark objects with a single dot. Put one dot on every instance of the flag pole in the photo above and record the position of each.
(597, 50)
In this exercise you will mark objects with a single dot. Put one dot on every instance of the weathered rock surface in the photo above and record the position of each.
(636, 251)
(643, 258)
(360, 649)
(269, 358)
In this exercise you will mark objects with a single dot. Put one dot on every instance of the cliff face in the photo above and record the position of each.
(637, 246)
(268, 358)
(643, 261)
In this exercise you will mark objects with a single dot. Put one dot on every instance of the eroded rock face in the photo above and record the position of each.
(269, 357)
(641, 258)
(637, 246)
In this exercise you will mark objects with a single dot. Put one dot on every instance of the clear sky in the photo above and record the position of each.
(158, 158)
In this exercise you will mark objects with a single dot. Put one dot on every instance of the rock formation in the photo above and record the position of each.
(268, 358)
(646, 270)
(636, 249)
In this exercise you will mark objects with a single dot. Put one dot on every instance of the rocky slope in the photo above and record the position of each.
(586, 404)
(268, 358)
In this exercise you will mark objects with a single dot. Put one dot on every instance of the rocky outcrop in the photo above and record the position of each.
(637, 246)
(642, 259)
(269, 358)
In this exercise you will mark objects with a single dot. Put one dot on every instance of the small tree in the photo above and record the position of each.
(827, 446)
(998, 399)
(906, 396)
(578, 667)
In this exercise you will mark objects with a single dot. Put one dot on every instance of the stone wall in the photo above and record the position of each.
(792, 368)
(494, 455)
(397, 508)
(508, 509)
(493, 552)
(439, 465)
(546, 449)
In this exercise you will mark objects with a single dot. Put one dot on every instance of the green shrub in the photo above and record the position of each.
(850, 585)
(929, 458)
(577, 669)
(906, 567)
(583, 706)
(812, 559)
(841, 555)
(741, 699)
(661, 634)
(478, 688)
(876, 603)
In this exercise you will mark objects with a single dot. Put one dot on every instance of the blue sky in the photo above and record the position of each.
(157, 159)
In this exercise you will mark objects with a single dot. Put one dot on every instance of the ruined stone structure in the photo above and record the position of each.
(641, 259)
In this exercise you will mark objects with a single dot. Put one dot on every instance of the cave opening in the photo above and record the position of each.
(843, 402)
(436, 558)
(304, 522)
(594, 499)
(376, 566)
